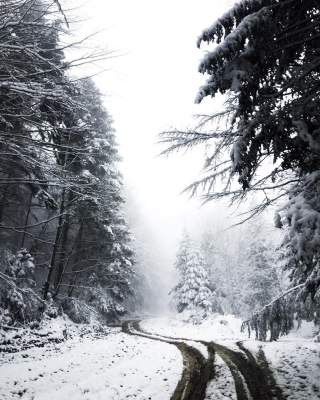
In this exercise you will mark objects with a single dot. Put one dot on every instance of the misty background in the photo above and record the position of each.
(149, 84)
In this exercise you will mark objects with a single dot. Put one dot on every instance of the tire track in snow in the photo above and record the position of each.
(253, 379)
(197, 371)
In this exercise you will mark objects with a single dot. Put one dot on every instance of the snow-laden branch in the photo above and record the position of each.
(286, 293)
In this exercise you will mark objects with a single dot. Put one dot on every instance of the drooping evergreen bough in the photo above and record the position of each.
(266, 60)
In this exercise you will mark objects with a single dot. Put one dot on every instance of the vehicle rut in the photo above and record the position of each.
(197, 370)
(252, 376)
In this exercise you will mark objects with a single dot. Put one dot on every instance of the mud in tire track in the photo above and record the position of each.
(252, 376)
(197, 370)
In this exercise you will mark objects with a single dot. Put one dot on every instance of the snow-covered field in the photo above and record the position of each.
(115, 367)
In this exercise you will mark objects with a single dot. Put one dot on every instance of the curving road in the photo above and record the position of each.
(252, 377)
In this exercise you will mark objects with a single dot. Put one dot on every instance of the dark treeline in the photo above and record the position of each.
(64, 241)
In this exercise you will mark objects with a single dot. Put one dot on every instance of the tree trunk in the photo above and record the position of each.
(63, 248)
(55, 246)
(4, 198)
(26, 221)
(73, 278)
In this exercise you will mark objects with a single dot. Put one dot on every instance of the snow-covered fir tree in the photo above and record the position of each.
(100, 255)
(182, 255)
(243, 266)
(193, 294)
(209, 254)
(262, 284)
(225, 255)
(217, 265)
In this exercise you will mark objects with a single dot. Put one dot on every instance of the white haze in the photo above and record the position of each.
(150, 86)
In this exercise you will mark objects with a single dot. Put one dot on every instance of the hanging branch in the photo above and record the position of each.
(276, 317)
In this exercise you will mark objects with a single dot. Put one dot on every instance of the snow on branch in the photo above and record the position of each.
(224, 25)
(276, 317)
(233, 42)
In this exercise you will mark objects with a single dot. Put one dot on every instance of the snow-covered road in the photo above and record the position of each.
(162, 358)
(252, 380)
(294, 360)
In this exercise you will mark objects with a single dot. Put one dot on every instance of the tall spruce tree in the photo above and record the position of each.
(193, 293)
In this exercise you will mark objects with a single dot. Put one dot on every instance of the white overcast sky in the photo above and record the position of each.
(151, 87)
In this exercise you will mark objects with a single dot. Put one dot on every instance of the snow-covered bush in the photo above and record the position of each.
(97, 304)
(77, 310)
(18, 299)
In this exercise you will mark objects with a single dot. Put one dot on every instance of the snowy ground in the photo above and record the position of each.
(115, 367)
(218, 328)
(222, 387)
(111, 365)
(295, 365)
(294, 360)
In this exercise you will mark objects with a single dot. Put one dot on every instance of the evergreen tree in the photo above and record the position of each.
(266, 61)
(262, 284)
(183, 253)
(97, 259)
(209, 254)
(216, 265)
(61, 191)
(193, 293)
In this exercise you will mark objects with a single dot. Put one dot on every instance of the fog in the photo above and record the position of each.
(150, 85)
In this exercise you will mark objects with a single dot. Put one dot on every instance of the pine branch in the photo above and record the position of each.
(289, 291)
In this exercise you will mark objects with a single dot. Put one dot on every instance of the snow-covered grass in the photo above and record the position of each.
(216, 328)
(114, 366)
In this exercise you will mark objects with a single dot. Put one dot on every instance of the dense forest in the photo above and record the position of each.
(65, 243)
(221, 273)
